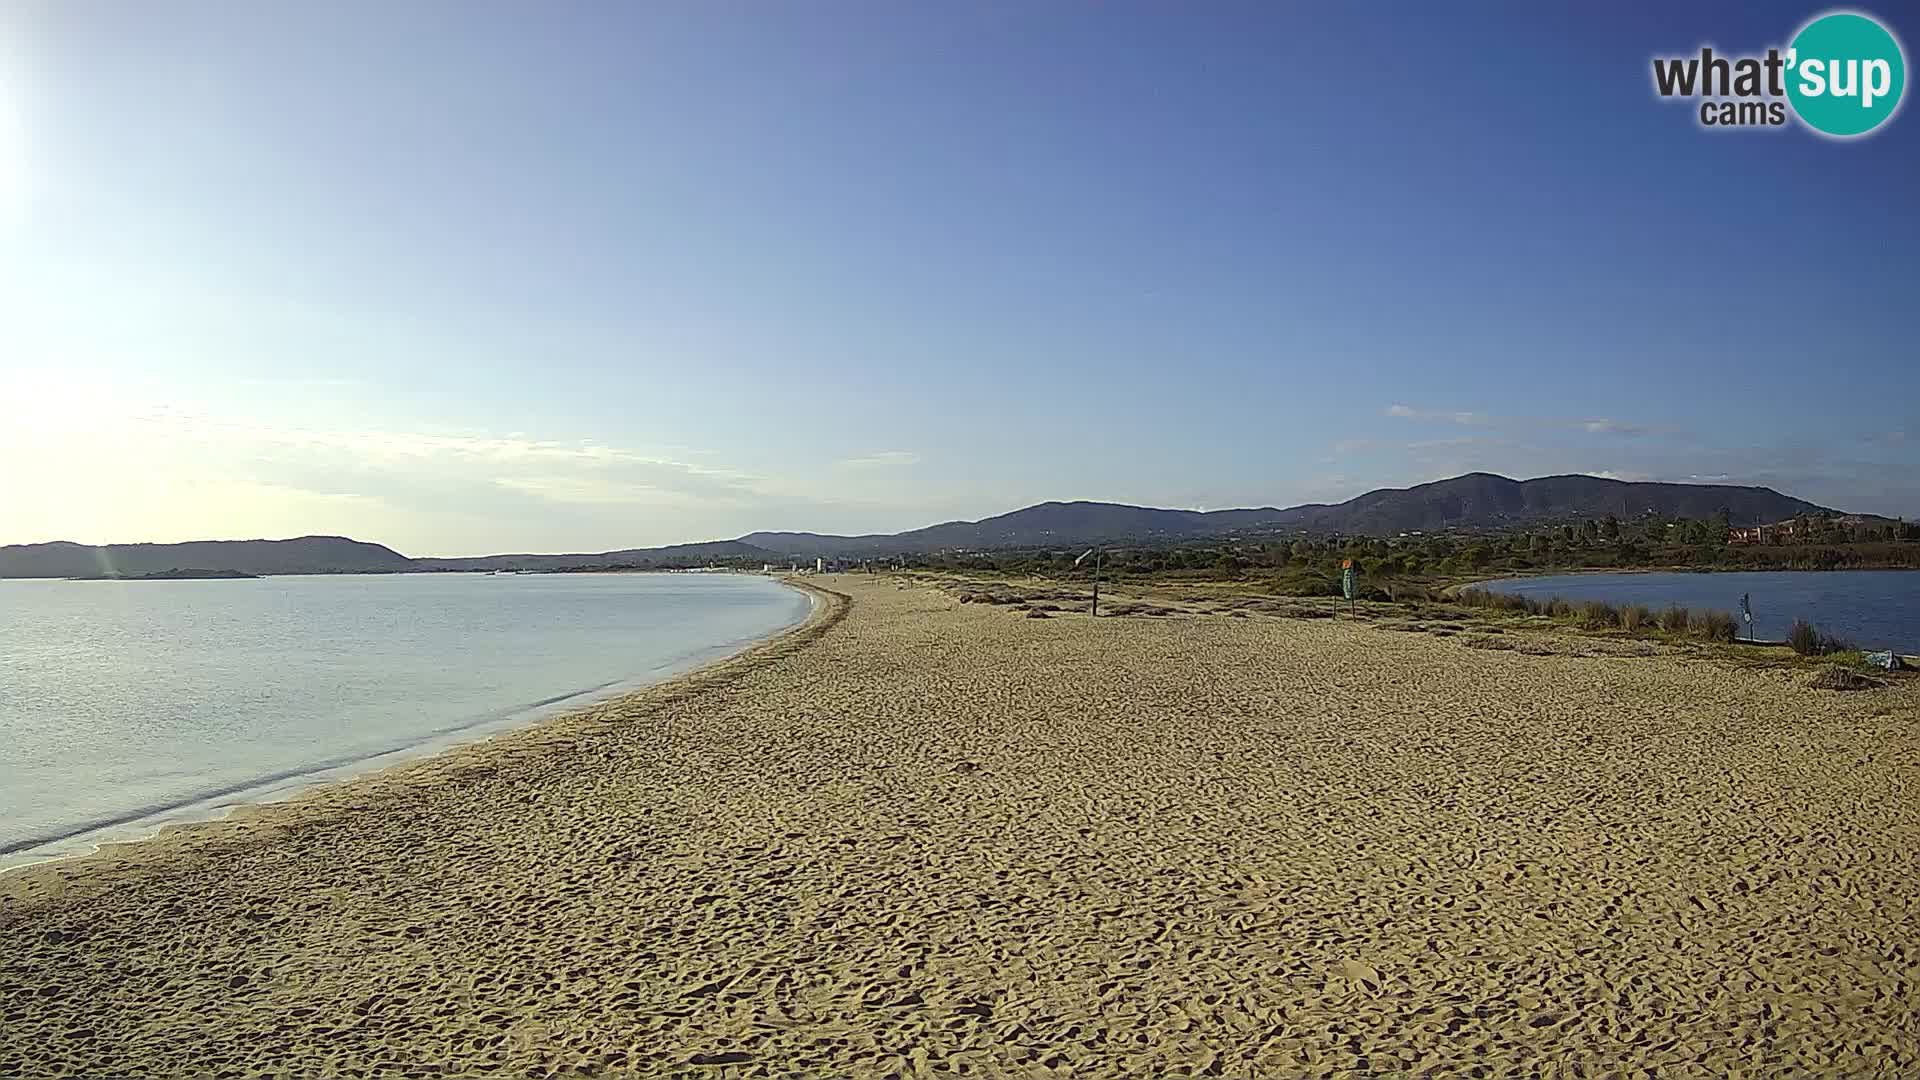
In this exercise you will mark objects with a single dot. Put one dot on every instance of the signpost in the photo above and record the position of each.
(1098, 554)
(1346, 582)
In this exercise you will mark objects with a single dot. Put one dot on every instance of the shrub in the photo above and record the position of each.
(1635, 616)
(1807, 640)
(1598, 616)
(1803, 638)
(1712, 625)
(1304, 582)
(1497, 601)
(1674, 619)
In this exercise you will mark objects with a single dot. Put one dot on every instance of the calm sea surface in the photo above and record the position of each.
(1875, 609)
(126, 705)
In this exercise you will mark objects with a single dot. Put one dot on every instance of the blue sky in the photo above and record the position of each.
(477, 277)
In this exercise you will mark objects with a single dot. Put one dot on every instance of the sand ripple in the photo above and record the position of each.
(942, 839)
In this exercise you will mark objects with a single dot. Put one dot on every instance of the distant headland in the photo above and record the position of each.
(175, 574)
(1476, 502)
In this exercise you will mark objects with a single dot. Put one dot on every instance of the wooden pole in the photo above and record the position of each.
(1096, 582)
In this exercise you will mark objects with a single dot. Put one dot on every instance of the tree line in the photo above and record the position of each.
(1311, 565)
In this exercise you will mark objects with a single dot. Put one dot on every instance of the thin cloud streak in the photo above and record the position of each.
(885, 459)
(1471, 418)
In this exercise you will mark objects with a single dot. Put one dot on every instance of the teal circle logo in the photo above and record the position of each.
(1845, 74)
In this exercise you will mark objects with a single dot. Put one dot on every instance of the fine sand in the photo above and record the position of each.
(919, 837)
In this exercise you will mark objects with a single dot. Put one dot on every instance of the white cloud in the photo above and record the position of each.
(1351, 446)
(883, 459)
(594, 491)
(230, 475)
(1612, 427)
(1593, 426)
(1459, 416)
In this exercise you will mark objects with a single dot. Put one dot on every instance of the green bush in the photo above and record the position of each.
(1304, 581)
(1635, 616)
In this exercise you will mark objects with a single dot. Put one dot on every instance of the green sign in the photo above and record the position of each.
(1847, 74)
(1346, 583)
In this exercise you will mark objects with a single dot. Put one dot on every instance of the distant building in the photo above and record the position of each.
(1795, 529)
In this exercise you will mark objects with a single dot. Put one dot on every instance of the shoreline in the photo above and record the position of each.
(290, 792)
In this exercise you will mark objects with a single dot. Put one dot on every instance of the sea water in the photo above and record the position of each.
(126, 705)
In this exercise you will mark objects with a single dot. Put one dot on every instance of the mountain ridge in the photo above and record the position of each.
(1473, 500)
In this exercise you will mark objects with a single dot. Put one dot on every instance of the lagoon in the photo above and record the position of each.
(1874, 609)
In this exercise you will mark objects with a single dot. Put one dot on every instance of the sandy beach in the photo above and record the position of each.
(917, 838)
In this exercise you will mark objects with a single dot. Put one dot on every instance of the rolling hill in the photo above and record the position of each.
(300, 555)
(1035, 526)
(1473, 501)
(1483, 500)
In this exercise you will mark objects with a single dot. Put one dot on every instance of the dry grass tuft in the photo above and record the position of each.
(1839, 678)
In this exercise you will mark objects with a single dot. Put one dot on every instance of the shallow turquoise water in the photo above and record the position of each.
(127, 704)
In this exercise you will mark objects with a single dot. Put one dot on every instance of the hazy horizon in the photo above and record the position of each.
(578, 550)
(483, 278)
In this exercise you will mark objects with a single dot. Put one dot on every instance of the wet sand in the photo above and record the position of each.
(923, 838)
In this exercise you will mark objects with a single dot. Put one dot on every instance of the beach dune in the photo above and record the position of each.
(921, 838)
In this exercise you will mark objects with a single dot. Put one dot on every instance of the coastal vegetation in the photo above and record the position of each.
(1480, 618)
(1807, 640)
(1674, 621)
(1392, 567)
